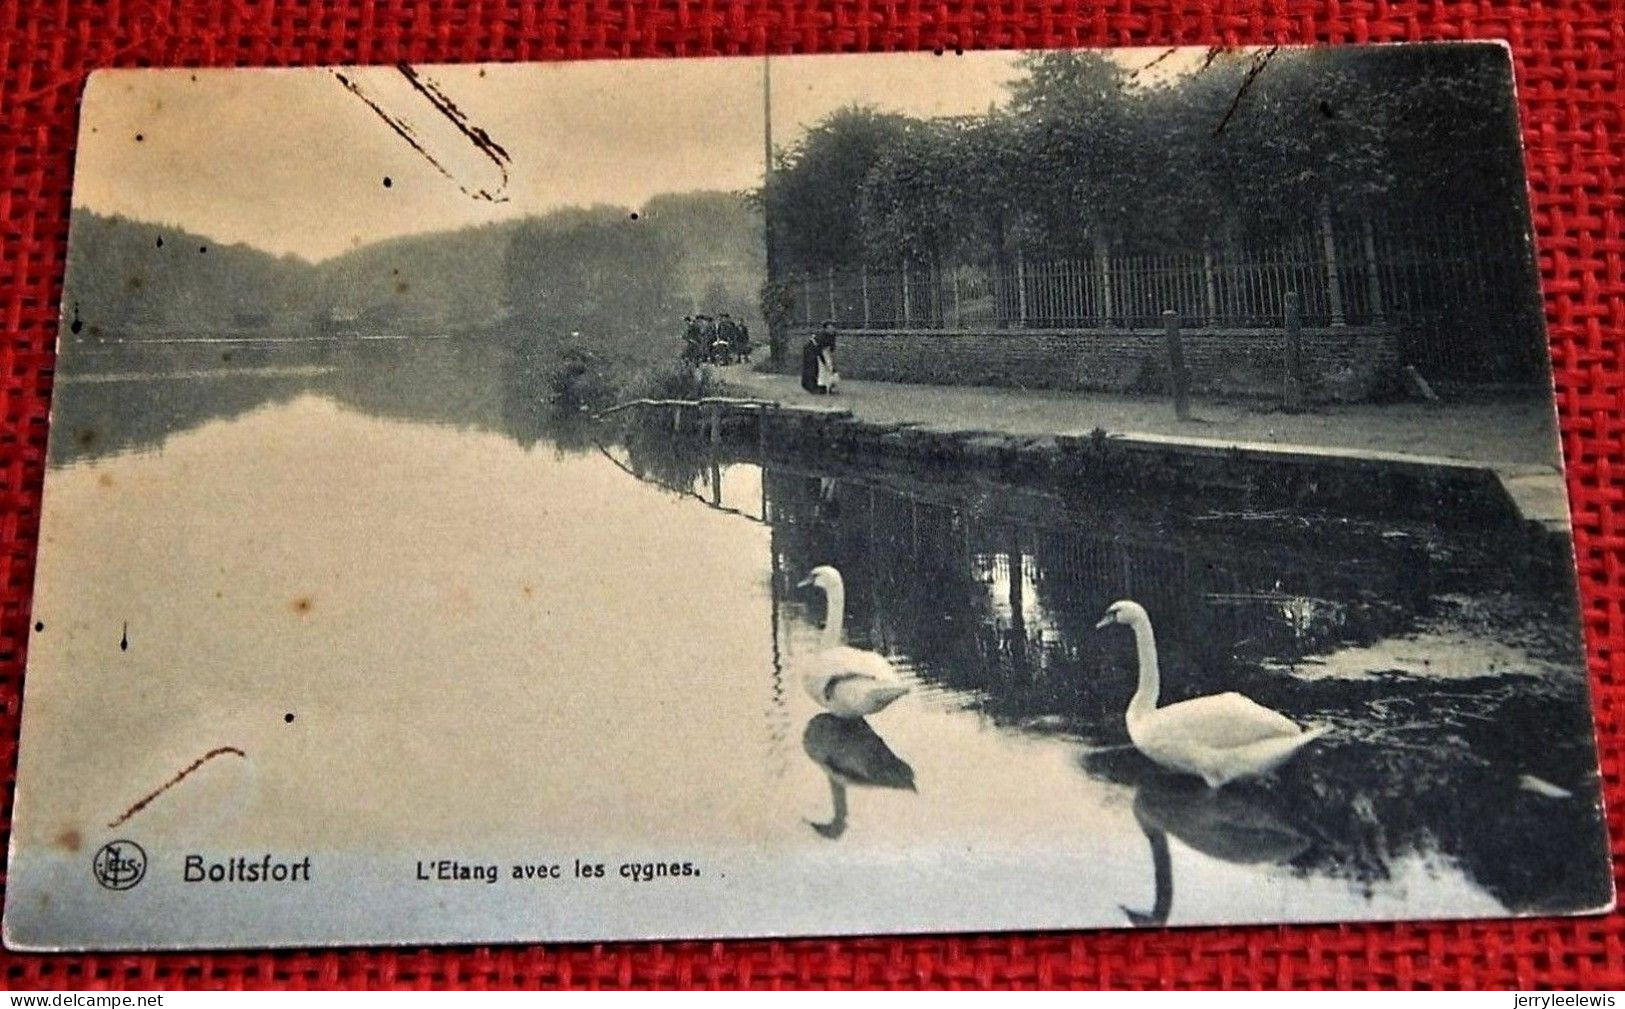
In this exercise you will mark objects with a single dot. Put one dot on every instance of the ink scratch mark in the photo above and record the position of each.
(481, 141)
(476, 136)
(172, 782)
(1260, 61)
(1162, 56)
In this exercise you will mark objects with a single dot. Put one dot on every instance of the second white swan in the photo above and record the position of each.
(1218, 738)
(850, 682)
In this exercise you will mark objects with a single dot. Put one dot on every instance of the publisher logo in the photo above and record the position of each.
(119, 865)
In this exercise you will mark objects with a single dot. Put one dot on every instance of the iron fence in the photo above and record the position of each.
(1460, 289)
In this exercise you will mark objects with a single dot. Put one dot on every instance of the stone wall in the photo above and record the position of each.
(1343, 363)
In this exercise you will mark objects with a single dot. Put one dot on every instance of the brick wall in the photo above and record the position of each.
(1339, 363)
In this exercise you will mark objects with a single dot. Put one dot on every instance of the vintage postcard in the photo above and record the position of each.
(800, 496)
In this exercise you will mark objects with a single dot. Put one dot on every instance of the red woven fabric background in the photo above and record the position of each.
(1571, 75)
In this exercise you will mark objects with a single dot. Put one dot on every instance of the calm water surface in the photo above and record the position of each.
(424, 610)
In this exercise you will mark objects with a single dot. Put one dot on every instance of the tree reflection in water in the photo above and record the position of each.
(989, 591)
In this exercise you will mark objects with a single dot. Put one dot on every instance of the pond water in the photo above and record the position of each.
(423, 611)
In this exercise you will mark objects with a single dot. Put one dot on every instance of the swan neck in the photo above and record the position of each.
(1145, 647)
(834, 615)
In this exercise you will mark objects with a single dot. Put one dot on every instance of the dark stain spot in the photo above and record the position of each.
(85, 436)
(135, 283)
(95, 329)
(1327, 110)
(124, 638)
(105, 480)
(160, 242)
(69, 840)
(401, 287)
(388, 182)
(39, 625)
(301, 605)
(139, 137)
(194, 78)
(528, 589)
(288, 718)
(225, 356)
(218, 594)
(634, 215)
(482, 71)
(75, 326)
(202, 249)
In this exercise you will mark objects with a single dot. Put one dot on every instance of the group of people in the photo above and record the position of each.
(818, 374)
(722, 340)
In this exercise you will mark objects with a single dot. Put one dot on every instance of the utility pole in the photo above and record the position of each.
(775, 334)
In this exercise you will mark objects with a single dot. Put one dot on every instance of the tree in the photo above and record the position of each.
(812, 205)
(608, 281)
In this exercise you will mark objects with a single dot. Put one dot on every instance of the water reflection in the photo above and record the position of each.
(1231, 825)
(985, 595)
(129, 398)
(851, 754)
(988, 594)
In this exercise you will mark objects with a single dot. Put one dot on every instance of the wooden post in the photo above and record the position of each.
(905, 295)
(1021, 290)
(1292, 390)
(830, 278)
(863, 278)
(713, 420)
(1210, 302)
(1104, 265)
(1334, 280)
(1178, 377)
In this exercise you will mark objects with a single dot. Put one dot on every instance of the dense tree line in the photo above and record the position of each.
(128, 276)
(1087, 152)
(620, 275)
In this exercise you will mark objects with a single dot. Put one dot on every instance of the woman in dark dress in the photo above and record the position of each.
(809, 365)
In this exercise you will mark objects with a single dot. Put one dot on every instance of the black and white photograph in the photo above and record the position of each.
(802, 495)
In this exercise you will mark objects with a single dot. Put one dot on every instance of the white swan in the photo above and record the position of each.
(1218, 738)
(850, 682)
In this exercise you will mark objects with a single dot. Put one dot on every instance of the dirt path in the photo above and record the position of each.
(1514, 431)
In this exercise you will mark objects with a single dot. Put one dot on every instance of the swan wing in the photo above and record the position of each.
(855, 693)
(851, 681)
(1220, 721)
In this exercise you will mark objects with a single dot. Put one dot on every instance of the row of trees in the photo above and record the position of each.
(607, 271)
(1086, 153)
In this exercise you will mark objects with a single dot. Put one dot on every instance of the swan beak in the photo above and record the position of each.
(803, 583)
(1105, 621)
